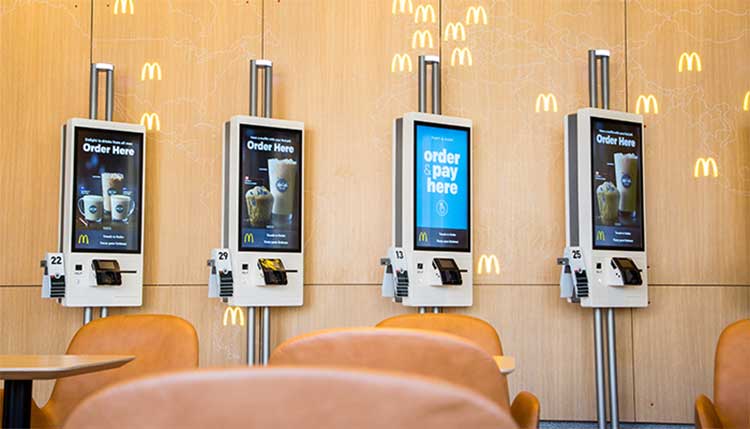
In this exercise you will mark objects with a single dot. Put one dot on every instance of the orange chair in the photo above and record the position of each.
(159, 343)
(287, 398)
(525, 407)
(731, 406)
(434, 354)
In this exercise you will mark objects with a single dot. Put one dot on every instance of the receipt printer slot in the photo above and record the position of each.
(107, 272)
(450, 275)
(631, 275)
(273, 270)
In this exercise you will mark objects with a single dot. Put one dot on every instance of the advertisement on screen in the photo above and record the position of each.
(442, 193)
(107, 191)
(270, 206)
(617, 172)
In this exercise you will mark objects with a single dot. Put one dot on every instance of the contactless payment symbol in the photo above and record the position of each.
(282, 185)
(442, 208)
(626, 181)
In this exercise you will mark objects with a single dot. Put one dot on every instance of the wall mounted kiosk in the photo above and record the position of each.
(99, 262)
(604, 265)
(429, 263)
(260, 263)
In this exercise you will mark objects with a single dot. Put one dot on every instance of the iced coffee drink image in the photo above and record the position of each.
(608, 199)
(259, 202)
(112, 184)
(626, 171)
(282, 174)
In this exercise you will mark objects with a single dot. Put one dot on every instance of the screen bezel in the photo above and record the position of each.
(73, 199)
(240, 196)
(415, 234)
(592, 130)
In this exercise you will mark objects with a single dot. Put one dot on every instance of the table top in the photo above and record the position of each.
(506, 364)
(47, 367)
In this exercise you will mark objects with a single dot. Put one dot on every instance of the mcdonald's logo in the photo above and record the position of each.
(123, 6)
(463, 55)
(422, 39)
(151, 121)
(422, 237)
(600, 236)
(705, 167)
(646, 104)
(545, 101)
(151, 70)
(424, 11)
(400, 6)
(401, 62)
(83, 239)
(687, 61)
(234, 314)
(746, 102)
(248, 238)
(455, 30)
(487, 264)
(474, 13)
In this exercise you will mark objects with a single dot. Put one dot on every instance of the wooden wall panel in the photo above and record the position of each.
(203, 49)
(332, 65)
(698, 228)
(673, 347)
(44, 82)
(527, 48)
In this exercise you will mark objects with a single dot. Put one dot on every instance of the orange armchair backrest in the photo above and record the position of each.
(287, 398)
(429, 354)
(732, 375)
(159, 343)
(471, 328)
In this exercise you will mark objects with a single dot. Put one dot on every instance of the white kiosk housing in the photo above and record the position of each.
(261, 261)
(430, 263)
(99, 262)
(604, 265)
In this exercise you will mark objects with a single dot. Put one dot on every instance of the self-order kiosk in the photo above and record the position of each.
(99, 262)
(260, 263)
(429, 263)
(604, 265)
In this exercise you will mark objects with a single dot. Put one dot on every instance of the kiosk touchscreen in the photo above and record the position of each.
(100, 257)
(605, 201)
(430, 261)
(261, 263)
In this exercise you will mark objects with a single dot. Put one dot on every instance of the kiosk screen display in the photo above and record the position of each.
(270, 206)
(107, 191)
(617, 172)
(441, 194)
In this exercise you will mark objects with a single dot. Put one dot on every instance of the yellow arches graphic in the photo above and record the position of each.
(687, 61)
(545, 101)
(234, 315)
(646, 104)
(705, 167)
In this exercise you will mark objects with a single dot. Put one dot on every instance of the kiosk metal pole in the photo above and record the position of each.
(603, 56)
(109, 69)
(265, 322)
(434, 61)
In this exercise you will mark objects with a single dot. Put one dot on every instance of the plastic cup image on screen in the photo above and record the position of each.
(626, 171)
(91, 207)
(259, 202)
(282, 174)
(122, 207)
(608, 200)
(112, 184)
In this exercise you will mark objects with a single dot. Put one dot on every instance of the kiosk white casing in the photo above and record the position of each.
(81, 289)
(425, 288)
(249, 286)
(604, 283)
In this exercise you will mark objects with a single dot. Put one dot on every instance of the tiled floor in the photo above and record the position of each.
(593, 425)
